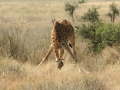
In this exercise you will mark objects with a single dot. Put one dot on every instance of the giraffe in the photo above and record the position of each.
(62, 38)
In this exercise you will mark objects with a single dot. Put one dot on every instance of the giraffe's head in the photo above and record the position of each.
(60, 65)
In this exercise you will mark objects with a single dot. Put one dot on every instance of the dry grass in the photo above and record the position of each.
(17, 76)
(27, 26)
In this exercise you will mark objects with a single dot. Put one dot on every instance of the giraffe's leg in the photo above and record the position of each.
(66, 47)
(61, 52)
(60, 63)
(72, 40)
(56, 54)
(47, 55)
(80, 67)
(58, 57)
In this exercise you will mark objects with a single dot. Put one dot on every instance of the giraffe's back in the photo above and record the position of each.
(64, 30)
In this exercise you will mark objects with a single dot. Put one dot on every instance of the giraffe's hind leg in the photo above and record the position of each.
(60, 63)
(61, 53)
(72, 40)
(67, 48)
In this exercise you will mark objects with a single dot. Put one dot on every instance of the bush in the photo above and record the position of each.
(113, 12)
(91, 16)
(70, 8)
(23, 44)
(100, 34)
(13, 43)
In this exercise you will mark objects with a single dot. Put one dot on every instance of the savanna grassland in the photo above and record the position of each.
(25, 28)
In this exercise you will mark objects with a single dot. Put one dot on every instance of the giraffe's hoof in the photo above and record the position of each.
(60, 65)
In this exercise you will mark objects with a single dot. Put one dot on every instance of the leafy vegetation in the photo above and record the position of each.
(81, 1)
(113, 12)
(100, 34)
(71, 7)
(91, 16)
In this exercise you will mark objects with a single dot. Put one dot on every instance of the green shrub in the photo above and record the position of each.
(91, 16)
(113, 12)
(100, 35)
(70, 8)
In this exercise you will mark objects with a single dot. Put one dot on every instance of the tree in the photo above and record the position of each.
(70, 9)
(81, 1)
(91, 16)
(113, 12)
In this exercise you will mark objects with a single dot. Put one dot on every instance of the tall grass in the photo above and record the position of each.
(18, 76)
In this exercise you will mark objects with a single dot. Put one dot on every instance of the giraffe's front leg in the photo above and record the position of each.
(59, 60)
(61, 55)
(48, 54)
(46, 57)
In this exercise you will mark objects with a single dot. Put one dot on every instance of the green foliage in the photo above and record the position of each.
(100, 35)
(91, 16)
(70, 8)
(81, 1)
(113, 12)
